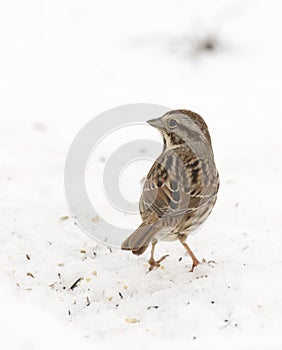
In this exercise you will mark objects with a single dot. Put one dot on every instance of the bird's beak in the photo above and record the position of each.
(156, 123)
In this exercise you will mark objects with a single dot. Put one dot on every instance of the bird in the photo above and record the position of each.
(181, 187)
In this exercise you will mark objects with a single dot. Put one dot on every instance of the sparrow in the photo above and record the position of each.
(181, 187)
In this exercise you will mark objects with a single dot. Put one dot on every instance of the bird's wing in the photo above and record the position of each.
(172, 187)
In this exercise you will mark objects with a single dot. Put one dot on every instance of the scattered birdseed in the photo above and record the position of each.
(64, 218)
(87, 279)
(94, 273)
(95, 218)
(152, 307)
(29, 274)
(131, 320)
(82, 251)
(88, 301)
(202, 276)
(74, 285)
(120, 295)
(125, 287)
(110, 298)
(27, 256)
(180, 258)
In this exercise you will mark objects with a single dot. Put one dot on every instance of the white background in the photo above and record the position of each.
(63, 62)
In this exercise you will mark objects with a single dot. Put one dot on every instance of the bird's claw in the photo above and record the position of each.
(195, 264)
(204, 261)
(156, 263)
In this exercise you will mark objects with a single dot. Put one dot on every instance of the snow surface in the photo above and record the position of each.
(63, 62)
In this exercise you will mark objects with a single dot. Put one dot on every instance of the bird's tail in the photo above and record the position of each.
(139, 240)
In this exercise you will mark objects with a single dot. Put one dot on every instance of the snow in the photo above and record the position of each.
(64, 62)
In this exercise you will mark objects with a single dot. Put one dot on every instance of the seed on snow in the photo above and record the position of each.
(63, 218)
(131, 320)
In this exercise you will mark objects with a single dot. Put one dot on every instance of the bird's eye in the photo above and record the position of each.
(172, 123)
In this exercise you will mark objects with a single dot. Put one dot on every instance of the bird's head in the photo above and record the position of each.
(181, 127)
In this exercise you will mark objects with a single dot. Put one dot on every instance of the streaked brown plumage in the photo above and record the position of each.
(181, 187)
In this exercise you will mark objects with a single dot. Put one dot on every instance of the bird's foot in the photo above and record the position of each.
(156, 263)
(197, 262)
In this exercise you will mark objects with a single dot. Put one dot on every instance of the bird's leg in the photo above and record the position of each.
(153, 263)
(196, 262)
